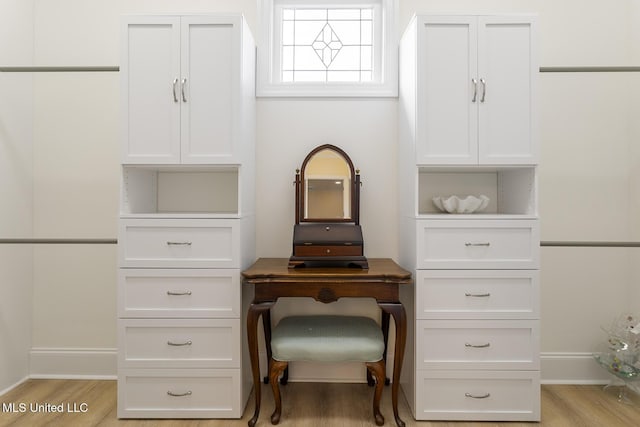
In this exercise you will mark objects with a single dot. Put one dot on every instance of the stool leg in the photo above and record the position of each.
(275, 369)
(378, 370)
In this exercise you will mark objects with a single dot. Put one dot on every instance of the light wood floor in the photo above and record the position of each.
(309, 405)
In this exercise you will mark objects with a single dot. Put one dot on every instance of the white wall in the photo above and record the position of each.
(16, 191)
(590, 168)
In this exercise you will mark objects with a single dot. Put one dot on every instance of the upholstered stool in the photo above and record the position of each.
(327, 339)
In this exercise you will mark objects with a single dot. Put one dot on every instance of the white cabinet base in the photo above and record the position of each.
(180, 393)
(478, 395)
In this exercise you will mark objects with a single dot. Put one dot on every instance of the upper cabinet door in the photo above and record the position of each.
(475, 91)
(210, 77)
(447, 118)
(507, 70)
(149, 68)
(181, 80)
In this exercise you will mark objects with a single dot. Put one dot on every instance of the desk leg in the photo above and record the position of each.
(266, 326)
(254, 313)
(385, 334)
(400, 318)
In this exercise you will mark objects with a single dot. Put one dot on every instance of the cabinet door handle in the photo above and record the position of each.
(175, 94)
(477, 345)
(469, 294)
(184, 96)
(478, 396)
(475, 90)
(477, 244)
(186, 393)
(484, 89)
(179, 243)
(179, 344)
(180, 293)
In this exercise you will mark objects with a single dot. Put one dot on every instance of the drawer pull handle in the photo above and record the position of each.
(179, 344)
(186, 393)
(328, 251)
(478, 396)
(477, 345)
(477, 244)
(179, 243)
(468, 294)
(174, 293)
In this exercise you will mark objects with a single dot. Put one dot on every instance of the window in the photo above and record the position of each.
(327, 48)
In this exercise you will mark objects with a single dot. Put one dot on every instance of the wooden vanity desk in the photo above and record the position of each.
(272, 279)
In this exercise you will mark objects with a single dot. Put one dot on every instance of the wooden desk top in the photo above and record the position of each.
(383, 270)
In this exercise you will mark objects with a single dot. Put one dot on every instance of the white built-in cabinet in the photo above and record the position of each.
(467, 127)
(186, 227)
(181, 82)
(475, 90)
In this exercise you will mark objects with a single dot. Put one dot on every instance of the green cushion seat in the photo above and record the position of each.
(325, 338)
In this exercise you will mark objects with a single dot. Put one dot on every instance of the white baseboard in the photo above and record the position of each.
(571, 368)
(11, 387)
(73, 363)
(91, 363)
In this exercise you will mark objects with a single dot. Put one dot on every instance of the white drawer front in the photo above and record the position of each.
(481, 344)
(478, 244)
(477, 294)
(179, 393)
(179, 293)
(478, 395)
(195, 243)
(184, 343)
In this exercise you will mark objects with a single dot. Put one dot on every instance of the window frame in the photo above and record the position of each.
(269, 84)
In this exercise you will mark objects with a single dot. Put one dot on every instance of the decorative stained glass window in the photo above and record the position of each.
(327, 48)
(327, 45)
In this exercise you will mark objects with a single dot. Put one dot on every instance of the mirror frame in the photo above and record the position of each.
(354, 187)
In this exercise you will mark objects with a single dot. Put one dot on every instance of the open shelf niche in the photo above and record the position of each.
(156, 191)
(512, 191)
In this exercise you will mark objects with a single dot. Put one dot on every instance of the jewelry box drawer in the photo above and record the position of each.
(179, 243)
(157, 292)
(477, 294)
(477, 344)
(327, 250)
(478, 395)
(179, 343)
(478, 244)
(179, 393)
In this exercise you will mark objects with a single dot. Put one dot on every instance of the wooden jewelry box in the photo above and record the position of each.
(327, 230)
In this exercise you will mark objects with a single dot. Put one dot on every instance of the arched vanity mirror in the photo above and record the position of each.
(327, 187)
(327, 230)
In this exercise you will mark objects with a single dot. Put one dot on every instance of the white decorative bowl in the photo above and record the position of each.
(455, 204)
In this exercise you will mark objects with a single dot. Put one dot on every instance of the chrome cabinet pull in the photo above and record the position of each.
(477, 244)
(176, 293)
(186, 393)
(477, 345)
(484, 89)
(478, 396)
(179, 344)
(475, 90)
(179, 243)
(184, 96)
(469, 294)
(175, 94)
